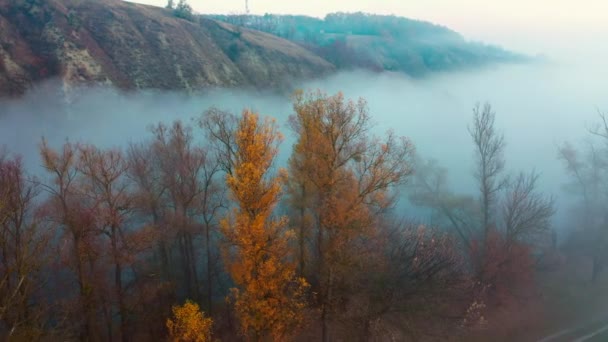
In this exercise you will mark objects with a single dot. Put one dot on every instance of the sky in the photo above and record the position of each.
(530, 26)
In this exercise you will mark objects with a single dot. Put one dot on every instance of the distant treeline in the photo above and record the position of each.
(377, 42)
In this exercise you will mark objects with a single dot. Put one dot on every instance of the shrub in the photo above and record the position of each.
(189, 324)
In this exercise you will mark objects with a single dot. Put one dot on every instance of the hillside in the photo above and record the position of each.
(134, 46)
(378, 42)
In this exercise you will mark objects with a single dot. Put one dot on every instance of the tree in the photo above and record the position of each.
(180, 166)
(170, 4)
(501, 231)
(189, 173)
(144, 171)
(179, 189)
(300, 201)
(189, 324)
(183, 10)
(73, 214)
(219, 127)
(24, 251)
(588, 170)
(412, 271)
(347, 177)
(525, 211)
(489, 150)
(429, 188)
(269, 298)
(104, 182)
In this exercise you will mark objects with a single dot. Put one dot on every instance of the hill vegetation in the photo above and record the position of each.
(378, 42)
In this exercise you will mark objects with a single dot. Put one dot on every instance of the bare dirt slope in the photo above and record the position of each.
(134, 46)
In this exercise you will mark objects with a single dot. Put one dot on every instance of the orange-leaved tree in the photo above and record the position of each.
(189, 324)
(341, 180)
(269, 298)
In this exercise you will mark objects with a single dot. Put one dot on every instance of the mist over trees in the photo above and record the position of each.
(196, 233)
(587, 168)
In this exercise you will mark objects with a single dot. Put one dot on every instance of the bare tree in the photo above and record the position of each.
(24, 248)
(144, 171)
(601, 129)
(410, 269)
(430, 189)
(212, 204)
(104, 182)
(589, 179)
(73, 214)
(219, 127)
(489, 151)
(526, 212)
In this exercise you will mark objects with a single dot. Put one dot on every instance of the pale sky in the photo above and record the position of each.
(531, 26)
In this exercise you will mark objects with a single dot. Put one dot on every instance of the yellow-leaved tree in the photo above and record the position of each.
(189, 324)
(269, 298)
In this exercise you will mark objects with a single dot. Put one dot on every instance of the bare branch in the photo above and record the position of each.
(526, 212)
(489, 151)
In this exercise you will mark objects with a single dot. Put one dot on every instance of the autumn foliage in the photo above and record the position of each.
(107, 240)
(189, 324)
(268, 299)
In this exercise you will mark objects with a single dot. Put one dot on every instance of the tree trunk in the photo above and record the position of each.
(162, 248)
(185, 264)
(118, 285)
(121, 304)
(209, 272)
(192, 264)
(87, 333)
(302, 230)
(164, 260)
(301, 241)
(326, 307)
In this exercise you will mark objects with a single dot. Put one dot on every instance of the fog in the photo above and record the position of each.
(538, 106)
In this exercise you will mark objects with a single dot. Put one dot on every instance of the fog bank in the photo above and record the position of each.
(538, 107)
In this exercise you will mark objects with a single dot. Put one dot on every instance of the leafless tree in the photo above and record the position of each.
(429, 188)
(144, 172)
(526, 212)
(489, 153)
(73, 216)
(219, 127)
(589, 179)
(601, 129)
(24, 247)
(104, 182)
(412, 268)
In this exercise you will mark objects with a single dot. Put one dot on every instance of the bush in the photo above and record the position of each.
(189, 324)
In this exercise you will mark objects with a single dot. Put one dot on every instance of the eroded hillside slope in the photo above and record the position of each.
(133, 46)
